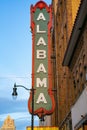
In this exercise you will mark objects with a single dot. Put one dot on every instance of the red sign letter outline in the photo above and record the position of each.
(41, 53)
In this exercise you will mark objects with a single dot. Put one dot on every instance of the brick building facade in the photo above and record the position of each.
(69, 58)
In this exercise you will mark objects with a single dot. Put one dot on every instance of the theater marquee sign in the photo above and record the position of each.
(41, 24)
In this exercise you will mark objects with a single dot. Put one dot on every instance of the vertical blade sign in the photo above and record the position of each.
(41, 24)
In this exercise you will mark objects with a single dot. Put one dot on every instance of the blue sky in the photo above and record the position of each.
(15, 60)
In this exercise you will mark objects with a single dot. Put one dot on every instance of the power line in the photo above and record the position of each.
(2, 77)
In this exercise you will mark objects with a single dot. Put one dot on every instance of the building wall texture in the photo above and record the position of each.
(68, 79)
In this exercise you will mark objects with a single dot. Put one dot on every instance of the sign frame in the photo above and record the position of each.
(35, 28)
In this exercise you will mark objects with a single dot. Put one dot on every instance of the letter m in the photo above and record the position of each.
(41, 83)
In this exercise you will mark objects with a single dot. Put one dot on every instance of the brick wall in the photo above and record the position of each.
(63, 24)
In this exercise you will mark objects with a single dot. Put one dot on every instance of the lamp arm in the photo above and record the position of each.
(21, 86)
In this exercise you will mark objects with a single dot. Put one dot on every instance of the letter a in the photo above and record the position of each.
(41, 17)
(41, 41)
(41, 68)
(41, 98)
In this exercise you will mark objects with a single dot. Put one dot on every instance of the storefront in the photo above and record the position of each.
(83, 127)
(79, 112)
(82, 124)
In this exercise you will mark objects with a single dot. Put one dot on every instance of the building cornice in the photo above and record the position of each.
(76, 31)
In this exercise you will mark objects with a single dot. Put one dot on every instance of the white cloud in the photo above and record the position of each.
(17, 116)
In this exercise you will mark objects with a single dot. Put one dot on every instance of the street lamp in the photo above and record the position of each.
(14, 94)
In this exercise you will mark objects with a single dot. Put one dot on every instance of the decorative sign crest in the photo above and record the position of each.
(41, 24)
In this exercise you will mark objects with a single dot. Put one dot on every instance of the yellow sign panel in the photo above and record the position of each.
(81, 128)
(43, 128)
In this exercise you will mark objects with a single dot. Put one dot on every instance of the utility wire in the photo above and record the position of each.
(1, 77)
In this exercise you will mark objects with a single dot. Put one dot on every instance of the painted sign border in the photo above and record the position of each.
(41, 110)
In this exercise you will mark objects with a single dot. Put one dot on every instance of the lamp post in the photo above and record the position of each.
(14, 94)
